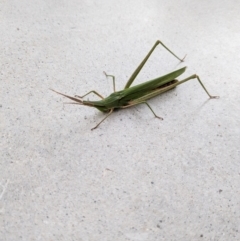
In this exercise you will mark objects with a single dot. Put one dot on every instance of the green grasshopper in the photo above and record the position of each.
(137, 94)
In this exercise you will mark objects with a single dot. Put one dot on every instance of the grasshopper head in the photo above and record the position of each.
(78, 101)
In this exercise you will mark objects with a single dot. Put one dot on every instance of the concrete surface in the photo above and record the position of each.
(135, 177)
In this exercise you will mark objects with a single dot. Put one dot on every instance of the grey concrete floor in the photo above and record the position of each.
(135, 177)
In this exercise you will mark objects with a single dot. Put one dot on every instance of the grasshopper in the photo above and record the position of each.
(138, 94)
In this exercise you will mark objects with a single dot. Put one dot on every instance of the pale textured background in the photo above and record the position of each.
(135, 177)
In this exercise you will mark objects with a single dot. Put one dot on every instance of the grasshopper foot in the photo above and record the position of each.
(159, 117)
(182, 60)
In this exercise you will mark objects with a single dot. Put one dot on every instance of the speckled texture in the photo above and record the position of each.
(135, 178)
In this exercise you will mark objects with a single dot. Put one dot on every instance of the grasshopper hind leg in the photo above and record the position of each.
(194, 76)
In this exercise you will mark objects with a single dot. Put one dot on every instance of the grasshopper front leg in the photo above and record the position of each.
(92, 91)
(113, 78)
